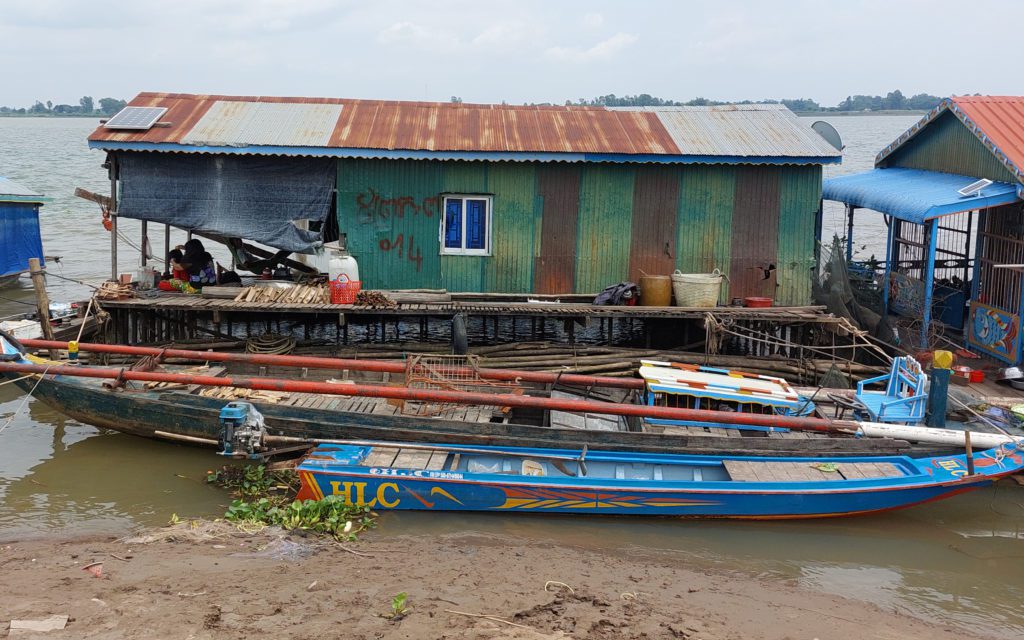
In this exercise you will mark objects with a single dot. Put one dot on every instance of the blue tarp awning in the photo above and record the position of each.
(19, 236)
(914, 195)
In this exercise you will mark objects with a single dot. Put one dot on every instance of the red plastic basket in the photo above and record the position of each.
(344, 291)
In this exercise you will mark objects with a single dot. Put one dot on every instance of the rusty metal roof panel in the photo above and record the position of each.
(437, 130)
(755, 130)
(230, 123)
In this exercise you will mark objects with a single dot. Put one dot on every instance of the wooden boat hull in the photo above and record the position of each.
(156, 413)
(145, 413)
(333, 470)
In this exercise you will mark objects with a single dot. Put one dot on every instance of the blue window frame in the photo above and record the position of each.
(466, 225)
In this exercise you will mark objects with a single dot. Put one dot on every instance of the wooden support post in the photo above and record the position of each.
(142, 247)
(167, 249)
(970, 453)
(35, 269)
(113, 218)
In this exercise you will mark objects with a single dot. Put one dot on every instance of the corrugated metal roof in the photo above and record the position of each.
(11, 191)
(998, 121)
(236, 124)
(914, 195)
(746, 130)
(374, 128)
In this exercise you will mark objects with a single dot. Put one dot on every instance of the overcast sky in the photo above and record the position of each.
(519, 51)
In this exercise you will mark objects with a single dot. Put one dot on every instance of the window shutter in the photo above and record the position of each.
(476, 224)
(453, 224)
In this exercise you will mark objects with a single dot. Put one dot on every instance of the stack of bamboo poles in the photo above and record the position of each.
(618, 361)
(594, 360)
(299, 294)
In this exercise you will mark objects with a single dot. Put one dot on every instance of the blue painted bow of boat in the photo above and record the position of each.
(553, 480)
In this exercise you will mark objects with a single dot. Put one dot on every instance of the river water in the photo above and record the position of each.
(960, 561)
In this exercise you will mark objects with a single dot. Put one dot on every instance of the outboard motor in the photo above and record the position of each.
(242, 430)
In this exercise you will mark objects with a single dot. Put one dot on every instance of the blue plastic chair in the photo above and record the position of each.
(904, 398)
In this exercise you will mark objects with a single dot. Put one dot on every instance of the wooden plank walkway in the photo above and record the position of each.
(757, 471)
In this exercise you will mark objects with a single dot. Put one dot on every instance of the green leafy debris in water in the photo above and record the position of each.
(265, 497)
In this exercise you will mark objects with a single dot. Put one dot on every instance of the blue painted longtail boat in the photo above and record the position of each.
(444, 478)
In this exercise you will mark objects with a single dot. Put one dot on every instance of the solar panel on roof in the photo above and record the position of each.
(135, 118)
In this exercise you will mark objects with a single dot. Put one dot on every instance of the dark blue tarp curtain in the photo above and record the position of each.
(19, 236)
(255, 198)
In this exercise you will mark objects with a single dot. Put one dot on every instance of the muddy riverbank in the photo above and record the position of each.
(216, 582)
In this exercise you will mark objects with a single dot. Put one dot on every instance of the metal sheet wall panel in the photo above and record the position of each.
(603, 239)
(947, 145)
(390, 212)
(755, 221)
(555, 268)
(800, 196)
(516, 216)
(706, 198)
(655, 204)
(466, 273)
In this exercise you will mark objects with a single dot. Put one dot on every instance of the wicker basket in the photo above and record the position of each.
(697, 289)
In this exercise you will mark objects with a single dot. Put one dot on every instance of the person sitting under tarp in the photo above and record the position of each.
(198, 262)
(174, 260)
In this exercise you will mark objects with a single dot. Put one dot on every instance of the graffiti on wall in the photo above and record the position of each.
(371, 207)
(404, 247)
(994, 331)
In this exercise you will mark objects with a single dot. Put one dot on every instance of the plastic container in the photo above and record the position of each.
(342, 264)
(344, 290)
(757, 302)
(655, 291)
(697, 289)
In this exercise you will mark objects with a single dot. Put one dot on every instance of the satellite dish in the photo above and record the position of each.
(829, 133)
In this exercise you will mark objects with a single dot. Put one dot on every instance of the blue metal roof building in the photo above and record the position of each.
(955, 224)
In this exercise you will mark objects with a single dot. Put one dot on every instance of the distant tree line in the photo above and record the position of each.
(894, 101)
(86, 107)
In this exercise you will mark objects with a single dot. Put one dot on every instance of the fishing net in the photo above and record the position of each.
(854, 292)
(449, 373)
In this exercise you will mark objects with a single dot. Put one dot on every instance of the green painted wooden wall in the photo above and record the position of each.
(390, 211)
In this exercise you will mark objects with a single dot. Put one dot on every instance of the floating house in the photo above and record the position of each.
(485, 198)
(19, 230)
(951, 190)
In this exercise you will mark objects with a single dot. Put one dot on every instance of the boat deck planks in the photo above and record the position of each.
(750, 471)
(381, 457)
(399, 458)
